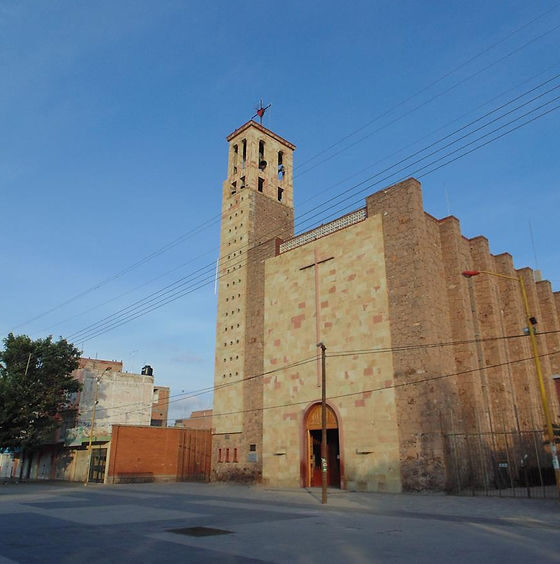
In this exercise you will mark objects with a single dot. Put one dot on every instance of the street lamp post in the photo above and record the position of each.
(97, 381)
(531, 322)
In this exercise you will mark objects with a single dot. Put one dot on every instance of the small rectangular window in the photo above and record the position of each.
(280, 194)
(252, 448)
(261, 184)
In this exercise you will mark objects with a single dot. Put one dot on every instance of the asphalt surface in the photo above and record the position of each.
(189, 522)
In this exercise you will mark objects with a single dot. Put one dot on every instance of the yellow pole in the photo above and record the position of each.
(535, 351)
(544, 398)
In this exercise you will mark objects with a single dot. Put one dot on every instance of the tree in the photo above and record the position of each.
(35, 385)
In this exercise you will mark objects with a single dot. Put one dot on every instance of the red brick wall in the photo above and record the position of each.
(161, 407)
(158, 454)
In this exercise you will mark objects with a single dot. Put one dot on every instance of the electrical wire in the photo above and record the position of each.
(190, 233)
(145, 306)
(440, 79)
(402, 348)
(383, 388)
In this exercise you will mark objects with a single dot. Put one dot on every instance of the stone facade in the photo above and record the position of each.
(354, 316)
(257, 207)
(415, 351)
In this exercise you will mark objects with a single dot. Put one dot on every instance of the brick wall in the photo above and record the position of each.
(160, 407)
(139, 454)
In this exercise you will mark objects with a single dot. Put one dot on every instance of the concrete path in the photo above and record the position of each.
(186, 522)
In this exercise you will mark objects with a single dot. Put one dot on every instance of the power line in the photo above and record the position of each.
(349, 394)
(141, 307)
(340, 210)
(208, 389)
(440, 79)
(425, 136)
(435, 97)
(385, 388)
(425, 148)
(337, 354)
(126, 270)
(205, 224)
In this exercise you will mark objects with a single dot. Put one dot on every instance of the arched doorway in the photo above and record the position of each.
(312, 464)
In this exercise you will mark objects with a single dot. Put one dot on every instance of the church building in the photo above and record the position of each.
(416, 353)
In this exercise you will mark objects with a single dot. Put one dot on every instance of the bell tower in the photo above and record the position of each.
(257, 210)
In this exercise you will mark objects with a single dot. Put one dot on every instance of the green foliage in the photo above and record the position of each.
(35, 385)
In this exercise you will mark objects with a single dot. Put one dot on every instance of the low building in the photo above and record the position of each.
(109, 396)
(201, 419)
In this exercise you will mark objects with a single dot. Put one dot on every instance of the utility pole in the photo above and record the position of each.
(323, 424)
(97, 381)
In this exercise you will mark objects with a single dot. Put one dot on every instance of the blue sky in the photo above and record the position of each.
(113, 122)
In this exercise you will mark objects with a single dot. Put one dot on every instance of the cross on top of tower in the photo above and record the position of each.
(260, 111)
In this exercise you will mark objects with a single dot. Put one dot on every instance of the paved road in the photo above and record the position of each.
(145, 523)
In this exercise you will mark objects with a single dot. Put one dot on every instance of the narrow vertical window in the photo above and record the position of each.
(280, 194)
(261, 184)
(233, 187)
(235, 155)
(220, 455)
(242, 182)
(243, 152)
(281, 169)
(262, 162)
(235, 455)
(227, 454)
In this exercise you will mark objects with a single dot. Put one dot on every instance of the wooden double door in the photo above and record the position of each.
(313, 435)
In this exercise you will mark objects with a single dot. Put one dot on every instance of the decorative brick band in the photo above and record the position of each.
(326, 229)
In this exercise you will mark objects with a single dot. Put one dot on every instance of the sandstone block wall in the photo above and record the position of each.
(481, 377)
(252, 222)
(354, 316)
(455, 358)
(418, 307)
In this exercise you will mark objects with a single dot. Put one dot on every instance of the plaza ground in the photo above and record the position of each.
(195, 522)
